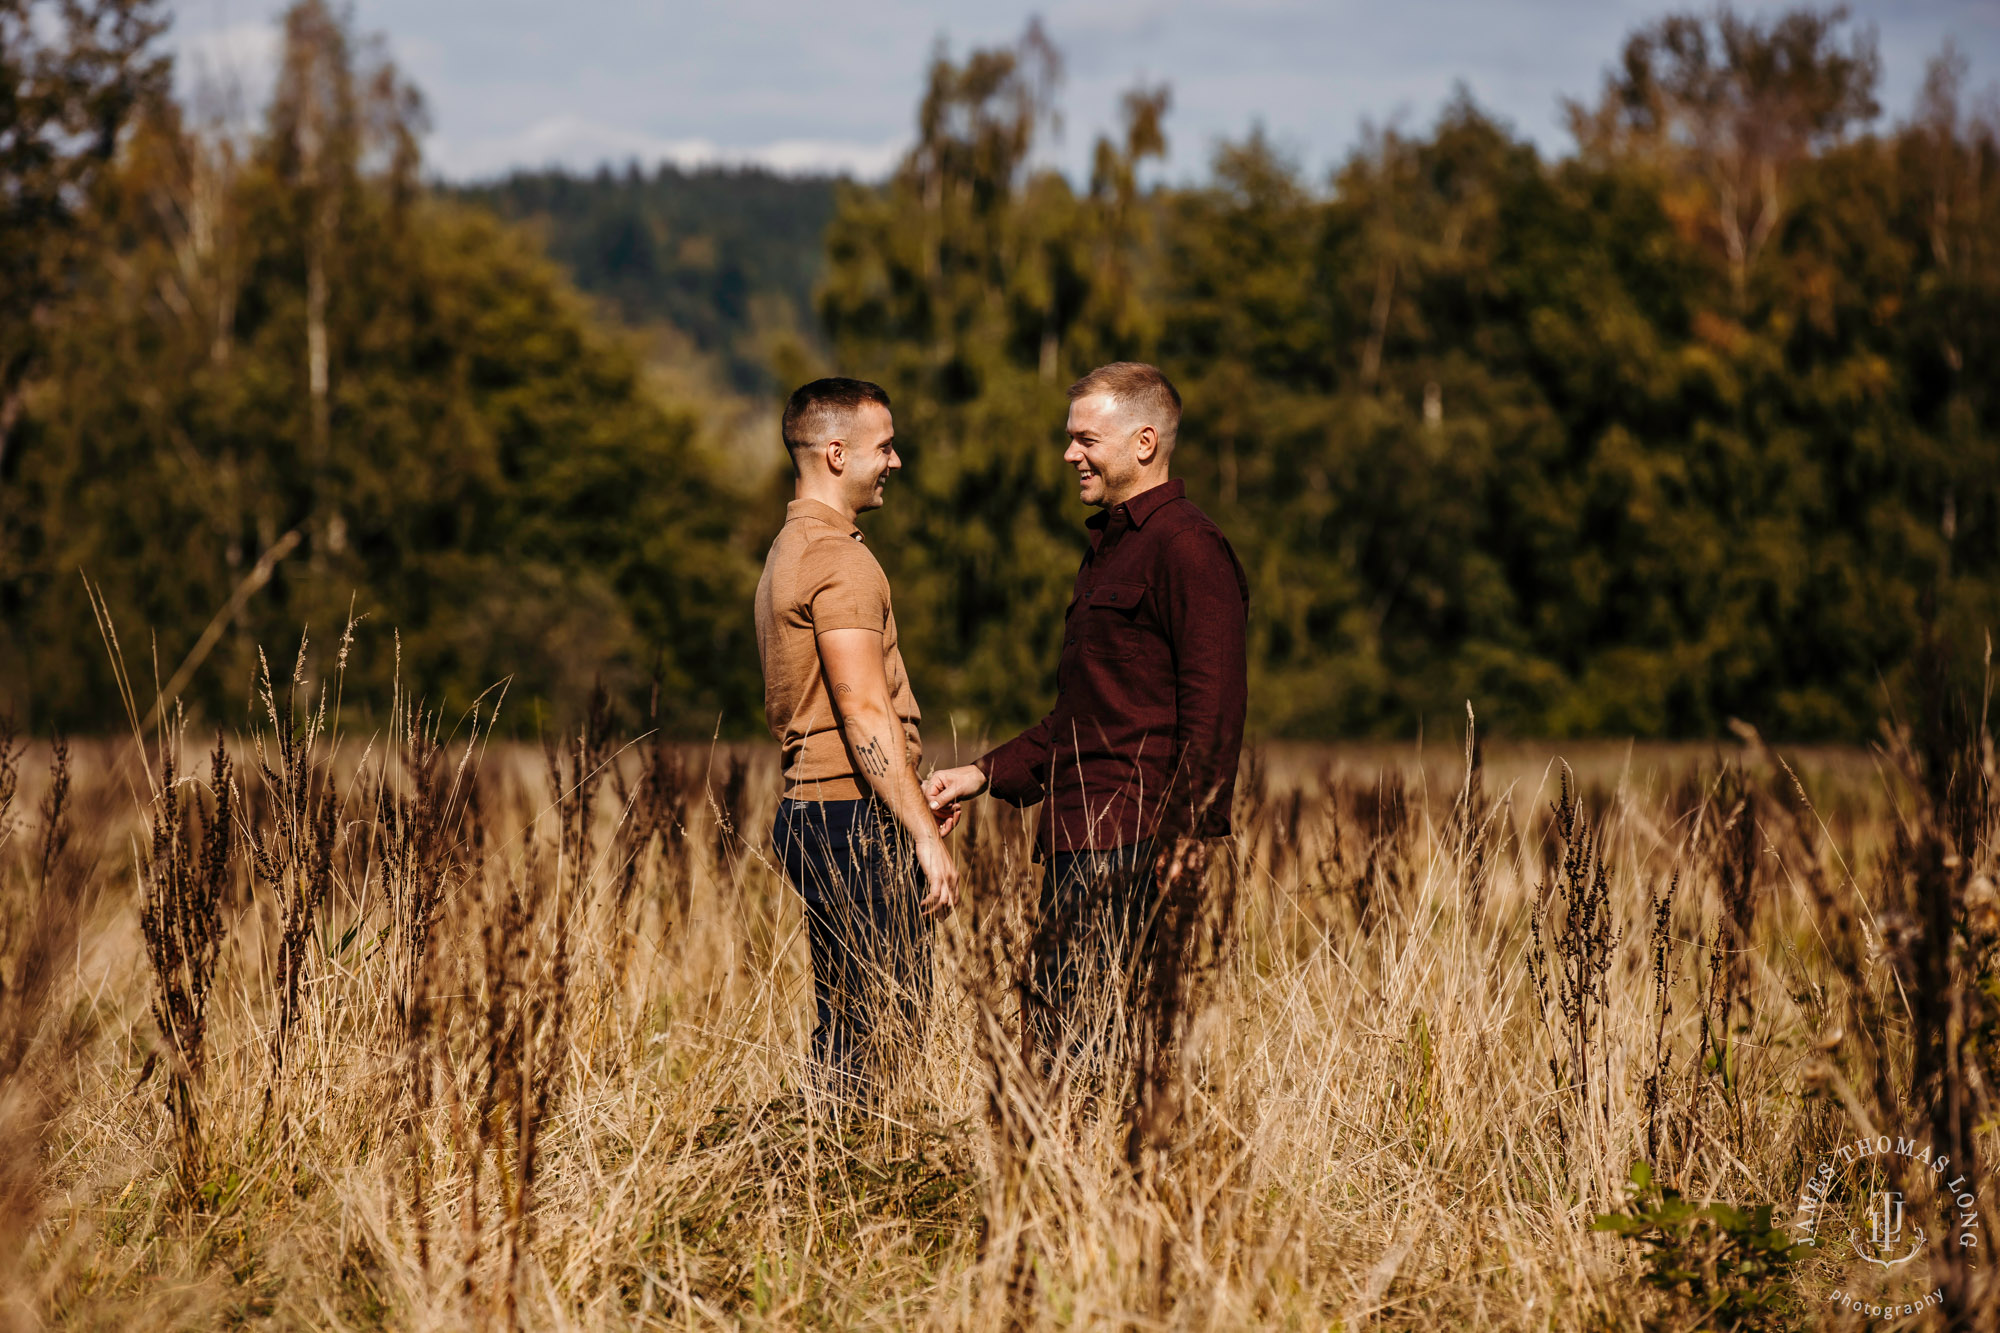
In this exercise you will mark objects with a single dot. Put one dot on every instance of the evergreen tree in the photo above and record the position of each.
(72, 76)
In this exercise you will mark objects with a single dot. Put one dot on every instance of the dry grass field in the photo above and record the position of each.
(400, 1030)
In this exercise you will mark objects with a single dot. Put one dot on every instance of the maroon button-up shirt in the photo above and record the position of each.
(1150, 691)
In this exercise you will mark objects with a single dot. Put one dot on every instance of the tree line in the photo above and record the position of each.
(1691, 422)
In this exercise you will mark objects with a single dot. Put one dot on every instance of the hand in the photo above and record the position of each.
(940, 874)
(947, 817)
(947, 787)
(1182, 857)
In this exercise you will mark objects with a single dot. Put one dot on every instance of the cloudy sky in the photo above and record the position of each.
(803, 86)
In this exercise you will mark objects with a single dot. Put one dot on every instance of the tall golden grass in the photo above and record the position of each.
(310, 1028)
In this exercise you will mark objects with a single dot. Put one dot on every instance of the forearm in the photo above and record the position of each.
(881, 753)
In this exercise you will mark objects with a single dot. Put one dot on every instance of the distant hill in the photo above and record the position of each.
(727, 256)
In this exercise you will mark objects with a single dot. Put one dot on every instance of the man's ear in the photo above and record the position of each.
(836, 456)
(1146, 444)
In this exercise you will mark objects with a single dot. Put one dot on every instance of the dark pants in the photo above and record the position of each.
(1096, 910)
(871, 955)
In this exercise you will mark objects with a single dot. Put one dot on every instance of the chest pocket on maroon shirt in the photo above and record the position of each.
(1113, 624)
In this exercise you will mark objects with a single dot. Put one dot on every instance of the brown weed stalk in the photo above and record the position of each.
(1569, 960)
(292, 845)
(186, 878)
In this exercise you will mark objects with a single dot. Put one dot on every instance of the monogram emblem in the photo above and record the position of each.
(1885, 1232)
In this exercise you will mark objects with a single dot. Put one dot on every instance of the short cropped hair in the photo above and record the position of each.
(1138, 388)
(819, 411)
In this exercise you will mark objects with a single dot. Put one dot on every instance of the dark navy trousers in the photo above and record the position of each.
(1096, 909)
(871, 957)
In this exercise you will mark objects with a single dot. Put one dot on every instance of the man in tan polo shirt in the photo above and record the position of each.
(856, 835)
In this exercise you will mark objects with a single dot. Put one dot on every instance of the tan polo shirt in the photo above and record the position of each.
(818, 577)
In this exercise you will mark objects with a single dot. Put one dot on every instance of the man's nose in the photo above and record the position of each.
(1073, 454)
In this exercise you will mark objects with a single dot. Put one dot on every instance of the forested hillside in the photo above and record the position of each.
(1695, 421)
(726, 256)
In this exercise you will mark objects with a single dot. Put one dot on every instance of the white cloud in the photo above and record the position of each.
(865, 160)
(580, 143)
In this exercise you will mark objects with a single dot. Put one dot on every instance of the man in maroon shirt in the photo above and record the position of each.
(1136, 764)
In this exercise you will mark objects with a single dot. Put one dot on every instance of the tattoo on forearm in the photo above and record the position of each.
(843, 689)
(869, 754)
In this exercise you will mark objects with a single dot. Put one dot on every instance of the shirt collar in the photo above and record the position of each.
(821, 513)
(1143, 505)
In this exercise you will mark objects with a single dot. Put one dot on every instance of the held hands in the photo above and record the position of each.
(943, 791)
(946, 788)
